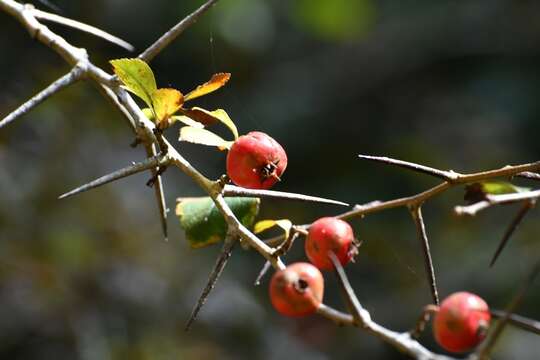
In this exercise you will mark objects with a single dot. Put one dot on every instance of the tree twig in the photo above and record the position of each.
(492, 200)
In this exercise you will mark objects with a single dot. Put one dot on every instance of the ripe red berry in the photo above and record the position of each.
(297, 290)
(330, 234)
(461, 322)
(256, 161)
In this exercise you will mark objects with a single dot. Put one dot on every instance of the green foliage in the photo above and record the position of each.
(203, 223)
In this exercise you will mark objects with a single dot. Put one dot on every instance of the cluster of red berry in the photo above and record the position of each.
(257, 161)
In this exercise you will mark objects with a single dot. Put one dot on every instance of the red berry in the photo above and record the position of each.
(256, 161)
(297, 290)
(461, 322)
(330, 234)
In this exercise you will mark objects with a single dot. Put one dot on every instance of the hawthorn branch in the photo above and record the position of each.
(529, 175)
(164, 41)
(519, 321)
(362, 318)
(70, 78)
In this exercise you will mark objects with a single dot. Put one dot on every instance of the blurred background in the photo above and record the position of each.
(453, 85)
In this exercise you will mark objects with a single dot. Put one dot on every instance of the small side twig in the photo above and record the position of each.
(71, 77)
(160, 44)
(217, 270)
(157, 182)
(492, 200)
(416, 213)
(523, 210)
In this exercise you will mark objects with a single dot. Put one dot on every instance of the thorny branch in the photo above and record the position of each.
(161, 152)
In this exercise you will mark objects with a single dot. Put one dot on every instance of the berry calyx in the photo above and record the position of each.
(327, 235)
(256, 161)
(297, 290)
(461, 322)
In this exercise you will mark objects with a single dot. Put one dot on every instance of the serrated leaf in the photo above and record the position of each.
(263, 225)
(219, 115)
(203, 223)
(203, 137)
(478, 191)
(166, 102)
(137, 78)
(217, 81)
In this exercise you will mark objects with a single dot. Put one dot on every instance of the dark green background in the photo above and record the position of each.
(451, 84)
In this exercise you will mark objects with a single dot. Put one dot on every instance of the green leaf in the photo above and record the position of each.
(137, 78)
(478, 191)
(203, 137)
(166, 102)
(149, 113)
(203, 223)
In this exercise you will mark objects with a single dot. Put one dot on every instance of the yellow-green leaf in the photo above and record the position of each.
(263, 225)
(166, 102)
(137, 77)
(221, 116)
(203, 223)
(203, 137)
(217, 81)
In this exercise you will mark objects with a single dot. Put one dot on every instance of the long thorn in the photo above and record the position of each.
(118, 174)
(529, 175)
(416, 213)
(159, 192)
(527, 205)
(66, 80)
(446, 175)
(221, 261)
(82, 27)
(160, 44)
(231, 190)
